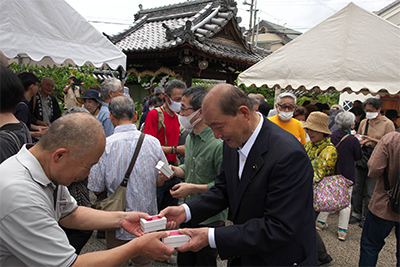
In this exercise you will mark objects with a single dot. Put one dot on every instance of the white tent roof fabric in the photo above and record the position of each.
(54, 32)
(352, 50)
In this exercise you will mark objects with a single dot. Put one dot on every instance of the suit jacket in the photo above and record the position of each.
(271, 206)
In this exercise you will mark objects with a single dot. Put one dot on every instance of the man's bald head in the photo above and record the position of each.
(228, 98)
(77, 132)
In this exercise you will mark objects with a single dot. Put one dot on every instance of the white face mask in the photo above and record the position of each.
(371, 115)
(185, 120)
(285, 115)
(174, 106)
(151, 108)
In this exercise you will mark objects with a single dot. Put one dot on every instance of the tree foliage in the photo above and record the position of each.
(59, 75)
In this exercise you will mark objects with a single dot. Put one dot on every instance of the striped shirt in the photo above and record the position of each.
(111, 168)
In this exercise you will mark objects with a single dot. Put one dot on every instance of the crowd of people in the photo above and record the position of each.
(240, 161)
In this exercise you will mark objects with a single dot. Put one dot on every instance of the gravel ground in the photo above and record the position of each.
(344, 253)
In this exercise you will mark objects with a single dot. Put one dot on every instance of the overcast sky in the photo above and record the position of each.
(114, 16)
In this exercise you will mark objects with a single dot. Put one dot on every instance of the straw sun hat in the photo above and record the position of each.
(318, 122)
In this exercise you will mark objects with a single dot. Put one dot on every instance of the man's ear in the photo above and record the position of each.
(135, 117)
(244, 111)
(59, 155)
(112, 119)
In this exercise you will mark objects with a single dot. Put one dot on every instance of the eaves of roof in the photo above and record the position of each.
(150, 32)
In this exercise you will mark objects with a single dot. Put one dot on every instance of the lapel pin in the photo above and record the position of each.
(255, 167)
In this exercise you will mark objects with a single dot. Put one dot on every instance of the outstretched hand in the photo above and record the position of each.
(153, 248)
(131, 222)
(174, 214)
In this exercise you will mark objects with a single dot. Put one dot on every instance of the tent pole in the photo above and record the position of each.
(277, 92)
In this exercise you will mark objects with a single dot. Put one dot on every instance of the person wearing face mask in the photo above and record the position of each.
(163, 124)
(203, 153)
(285, 104)
(372, 129)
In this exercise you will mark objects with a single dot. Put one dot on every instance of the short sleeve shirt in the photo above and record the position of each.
(293, 127)
(29, 215)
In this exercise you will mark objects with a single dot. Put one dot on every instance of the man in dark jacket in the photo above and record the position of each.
(265, 181)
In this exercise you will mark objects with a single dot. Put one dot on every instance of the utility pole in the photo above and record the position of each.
(252, 22)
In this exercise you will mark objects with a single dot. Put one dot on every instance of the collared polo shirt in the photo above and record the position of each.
(29, 215)
(203, 157)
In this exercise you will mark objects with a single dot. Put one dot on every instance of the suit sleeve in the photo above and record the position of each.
(289, 199)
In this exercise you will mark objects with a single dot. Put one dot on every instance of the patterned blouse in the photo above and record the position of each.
(323, 158)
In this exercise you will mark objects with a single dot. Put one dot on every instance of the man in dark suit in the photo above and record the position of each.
(265, 180)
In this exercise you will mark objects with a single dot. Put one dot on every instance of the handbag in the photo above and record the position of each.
(367, 152)
(117, 200)
(332, 192)
(394, 193)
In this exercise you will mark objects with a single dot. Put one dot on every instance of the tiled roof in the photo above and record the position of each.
(387, 7)
(286, 33)
(197, 23)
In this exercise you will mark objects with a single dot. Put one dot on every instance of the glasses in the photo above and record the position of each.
(289, 107)
(184, 109)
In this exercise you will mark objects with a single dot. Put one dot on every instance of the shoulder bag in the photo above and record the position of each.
(332, 192)
(362, 164)
(117, 201)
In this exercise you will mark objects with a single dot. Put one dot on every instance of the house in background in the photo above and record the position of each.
(391, 12)
(272, 36)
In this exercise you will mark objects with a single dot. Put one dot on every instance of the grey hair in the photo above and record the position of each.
(286, 94)
(47, 79)
(375, 102)
(111, 84)
(77, 132)
(122, 107)
(197, 94)
(254, 101)
(75, 110)
(158, 90)
(169, 86)
(344, 120)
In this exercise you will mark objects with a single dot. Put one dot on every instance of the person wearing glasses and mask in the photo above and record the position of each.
(203, 158)
(285, 104)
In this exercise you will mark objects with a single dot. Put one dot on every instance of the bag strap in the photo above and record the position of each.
(386, 180)
(161, 122)
(134, 157)
(366, 128)
(341, 140)
(14, 137)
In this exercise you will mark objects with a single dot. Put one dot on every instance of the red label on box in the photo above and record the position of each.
(172, 233)
(156, 217)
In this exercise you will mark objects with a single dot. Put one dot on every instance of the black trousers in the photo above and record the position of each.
(77, 238)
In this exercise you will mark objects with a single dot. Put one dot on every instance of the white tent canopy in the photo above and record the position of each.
(43, 32)
(353, 50)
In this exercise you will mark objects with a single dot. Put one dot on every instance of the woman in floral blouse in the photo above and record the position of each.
(323, 156)
(320, 149)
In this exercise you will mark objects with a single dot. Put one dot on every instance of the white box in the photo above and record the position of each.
(162, 167)
(175, 239)
(154, 224)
